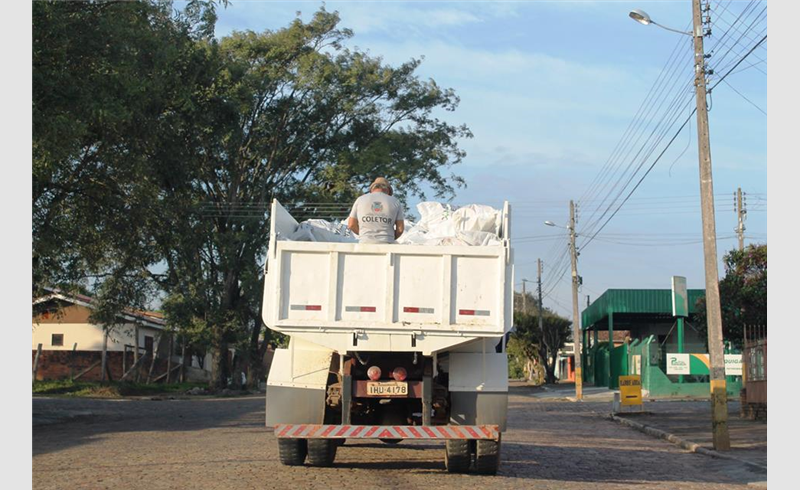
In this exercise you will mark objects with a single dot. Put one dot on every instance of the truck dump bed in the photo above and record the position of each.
(376, 297)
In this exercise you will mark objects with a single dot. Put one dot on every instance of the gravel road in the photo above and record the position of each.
(216, 443)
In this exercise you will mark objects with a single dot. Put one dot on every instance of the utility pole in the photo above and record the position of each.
(719, 396)
(544, 348)
(576, 321)
(539, 287)
(740, 214)
(524, 296)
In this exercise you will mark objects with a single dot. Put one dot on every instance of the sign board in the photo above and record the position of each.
(630, 388)
(680, 297)
(678, 364)
(733, 364)
(698, 364)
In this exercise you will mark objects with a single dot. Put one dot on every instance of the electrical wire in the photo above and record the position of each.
(745, 98)
(595, 227)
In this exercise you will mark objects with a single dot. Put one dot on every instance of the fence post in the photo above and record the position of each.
(72, 362)
(103, 362)
(183, 361)
(156, 346)
(36, 361)
(169, 358)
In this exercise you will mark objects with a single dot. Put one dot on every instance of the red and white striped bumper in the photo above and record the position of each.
(317, 431)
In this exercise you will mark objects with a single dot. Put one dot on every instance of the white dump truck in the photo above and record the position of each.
(388, 342)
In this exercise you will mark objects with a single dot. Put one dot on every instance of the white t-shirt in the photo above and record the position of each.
(376, 214)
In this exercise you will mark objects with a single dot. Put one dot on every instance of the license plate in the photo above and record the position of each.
(387, 388)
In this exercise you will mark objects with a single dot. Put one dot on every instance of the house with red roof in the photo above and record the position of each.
(72, 344)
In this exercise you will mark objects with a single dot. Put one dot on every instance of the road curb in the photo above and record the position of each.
(683, 443)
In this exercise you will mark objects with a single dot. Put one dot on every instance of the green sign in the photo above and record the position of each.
(680, 297)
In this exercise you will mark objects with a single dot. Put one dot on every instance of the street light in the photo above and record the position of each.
(641, 17)
(550, 223)
(719, 395)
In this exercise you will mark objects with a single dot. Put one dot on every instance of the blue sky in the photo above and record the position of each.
(549, 89)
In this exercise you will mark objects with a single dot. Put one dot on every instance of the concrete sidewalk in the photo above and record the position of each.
(566, 391)
(691, 422)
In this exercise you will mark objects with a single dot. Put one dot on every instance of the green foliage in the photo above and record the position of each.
(743, 293)
(158, 148)
(111, 81)
(292, 115)
(534, 345)
(520, 365)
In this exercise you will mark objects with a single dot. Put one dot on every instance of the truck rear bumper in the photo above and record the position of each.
(434, 432)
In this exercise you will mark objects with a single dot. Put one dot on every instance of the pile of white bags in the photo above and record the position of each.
(474, 224)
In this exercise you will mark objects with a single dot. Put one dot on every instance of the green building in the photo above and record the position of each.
(646, 314)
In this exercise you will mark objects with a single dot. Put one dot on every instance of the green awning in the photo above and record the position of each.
(643, 301)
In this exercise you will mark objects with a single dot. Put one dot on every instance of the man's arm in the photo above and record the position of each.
(352, 223)
(399, 227)
(399, 222)
(352, 220)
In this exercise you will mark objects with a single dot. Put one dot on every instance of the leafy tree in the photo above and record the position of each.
(292, 115)
(157, 150)
(544, 348)
(743, 293)
(109, 80)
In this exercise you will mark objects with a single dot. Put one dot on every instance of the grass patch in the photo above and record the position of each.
(108, 390)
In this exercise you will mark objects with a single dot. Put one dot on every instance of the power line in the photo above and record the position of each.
(745, 98)
(642, 179)
(647, 107)
(593, 226)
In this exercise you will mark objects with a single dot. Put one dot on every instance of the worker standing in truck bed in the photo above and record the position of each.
(377, 217)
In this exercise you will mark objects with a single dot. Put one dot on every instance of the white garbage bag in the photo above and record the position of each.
(320, 230)
(442, 224)
(477, 217)
(478, 238)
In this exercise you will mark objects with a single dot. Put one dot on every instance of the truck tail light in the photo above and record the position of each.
(399, 374)
(374, 373)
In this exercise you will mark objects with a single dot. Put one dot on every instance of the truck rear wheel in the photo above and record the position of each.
(487, 457)
(457, 456)
(321, 452)
(292, 452)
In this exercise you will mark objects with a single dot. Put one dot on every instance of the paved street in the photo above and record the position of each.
(222, 443)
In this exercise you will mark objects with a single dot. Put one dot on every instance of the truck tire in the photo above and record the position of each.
(292, 452)
(321, 452)
(487, 457)
(457, 456)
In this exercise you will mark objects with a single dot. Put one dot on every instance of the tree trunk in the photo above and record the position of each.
(550, 368)
(256, 353)
(220, 368)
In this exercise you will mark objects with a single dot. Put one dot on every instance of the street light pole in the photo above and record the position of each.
(719, 396)
(576, 321)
